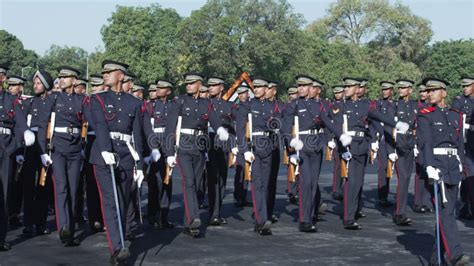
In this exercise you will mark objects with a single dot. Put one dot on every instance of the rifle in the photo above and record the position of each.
(329, 153)
(136, 158)
(19, 166)
(243, 77)
(373, 154)
(49, 147)
(344, 163)
(391, 165)
(231, 162)
(169, 170)
(293, 170)
(248, 133)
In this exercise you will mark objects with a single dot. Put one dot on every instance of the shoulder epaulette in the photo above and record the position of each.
(427, 110)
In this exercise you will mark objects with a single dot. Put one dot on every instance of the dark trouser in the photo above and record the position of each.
(240, 185)
(133, 201)
(292, 187)
(79, 211)
(449, 234)
(272, 182)
(159, 194)
(66, 171)
(124, 179)
(310, 168)
(336, 176)
(404, 167)
(383, 187)
(201, 184)
(190, 167)
(216, 180)
(35, 197)
(353, 187)
(5, 166)
(94, 213)
(467, 185)
(261, 168)
(422, 190)
(15, 194)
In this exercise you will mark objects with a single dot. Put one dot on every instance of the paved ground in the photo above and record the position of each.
(380, 242)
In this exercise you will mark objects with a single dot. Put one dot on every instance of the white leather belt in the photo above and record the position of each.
(5, 131)
(261, 133)
(70, 130)
(120, 136)
(159, 130)
(34, 129)
(189, 131)
(445, 151)
(310, 132)
(91, 133)
(356, 133)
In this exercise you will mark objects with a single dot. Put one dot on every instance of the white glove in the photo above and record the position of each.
(332, 144)
(346, 156)
(171, 161)
(138, 177)
(147, 160)
(29, 137)
(46, 160)
(416, 151)
(235, 150)
(249, 157)
(433, 173)
(393, 157)
(294, 159)
(374, 146)
(223, 134)
(402, 127)
(20, 159)
(296, 144)
(155, 155)
(109, 157)
(345, 140)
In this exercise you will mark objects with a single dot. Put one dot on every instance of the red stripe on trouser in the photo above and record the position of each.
(103, 213)
(55, 203)
(185, 200)
(346, 184)
(300, 200)
(446, 247)
(397, 209)
(417, 183)
(257, 215)
(379, 166)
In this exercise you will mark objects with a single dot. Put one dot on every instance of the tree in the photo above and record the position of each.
(145, 38)
(58, 56)
(14, 55)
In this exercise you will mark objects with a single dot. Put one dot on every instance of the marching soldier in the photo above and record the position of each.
(80, 86)
(154, 123)
(14, 134)
(80, 89)
(202, 181)
(3, 75)
(292, 188)
(186, 130)
(335, 114)
(401, 148)
(422, 202)
(465, 104)
(138, 91)
(67, 116)
(218, 164)
(35, 194)
(442, 146)
(117, 119)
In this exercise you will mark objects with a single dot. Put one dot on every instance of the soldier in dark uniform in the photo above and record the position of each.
(292, 188)
(441, 142)
(195, 114)
(465, 104)
(80, 86)
(3, 75)
(154, 123)
(337, 150)
(67, 111)
(240, 184)
(35, 196)
(201, 187)
(422, 199)
(117, 119)
(138, 91)
(14, 134)
(401, 148)
(218, 164)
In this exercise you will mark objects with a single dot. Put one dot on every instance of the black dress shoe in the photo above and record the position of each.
(223, 221)
(80, 219)
(385, 203)
(293, 199)
(215, 221)
(351, 225)
(130, 236)
(120, 257)
(308, 228)
(4, 246)
(401, 220)
(419, 209)
(28, 231)
(15, 222)
(64, 234)
(274, 219)
(203, 206)
(264, 229)
(72, 242)
(193, 232)
(42, 230)
(428, 209)
(360, 215)
(337, 196)
(165, 225)
(464, 214)
(461, 260)
(97, 227)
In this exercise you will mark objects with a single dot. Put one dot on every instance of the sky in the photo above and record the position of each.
(42, 23)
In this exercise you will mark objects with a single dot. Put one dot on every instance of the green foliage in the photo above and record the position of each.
(58, 56)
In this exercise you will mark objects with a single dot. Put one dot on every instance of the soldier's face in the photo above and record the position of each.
(423, 95)
(270, 93)
(467, 90)
(387, 93)
(38, 87)
(293, 96)
(15, 89)
(403, 92)
(338, 95)
(303, 90)
(193, 88)
(204, 95)
(260, 92)
(349, 91)
(113, 78)
(66, 82)
(436, 96)
(361, 91)
(244, 96)
(138, 94)
(80, 90)
(3, 77)
(214, 90)
(96, 89)
(162, 92)
(127, 86)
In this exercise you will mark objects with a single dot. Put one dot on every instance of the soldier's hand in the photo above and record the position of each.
(296, 144)
(171, 161)
(393, 157)
(402, 127)
(155, 155)
(147, 160)
(332, 144)
(235, 150)
(29, 137)
(249, 157)
(46, 160)
(346, 156)
(433, 173)
(416, 151)
(20, 159)
(374, 146)
(109, 157)
(345, 140)
(223, 134)
(138, 177)
(294, 159)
